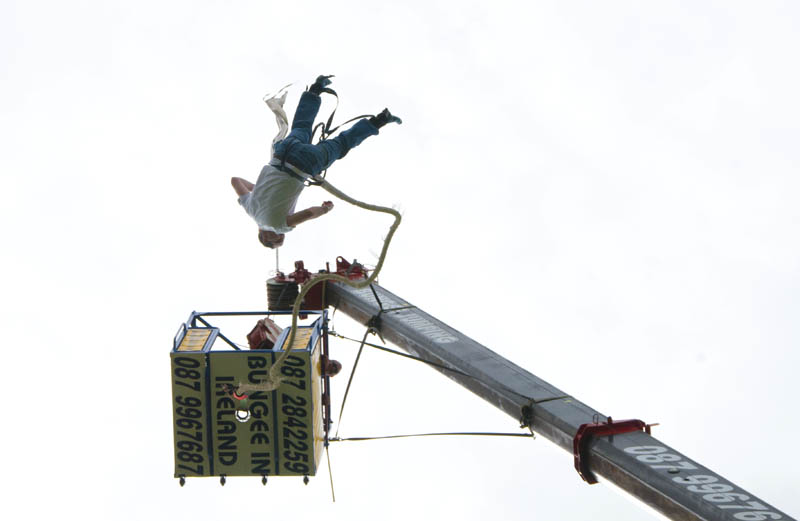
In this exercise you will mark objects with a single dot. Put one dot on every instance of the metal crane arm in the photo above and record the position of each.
(635, 461)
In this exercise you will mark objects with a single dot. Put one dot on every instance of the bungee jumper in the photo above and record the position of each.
(271, 200)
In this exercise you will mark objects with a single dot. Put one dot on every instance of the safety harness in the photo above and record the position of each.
(326, 132)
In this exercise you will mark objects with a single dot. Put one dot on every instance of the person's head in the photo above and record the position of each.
(270, 239)
(331, 367)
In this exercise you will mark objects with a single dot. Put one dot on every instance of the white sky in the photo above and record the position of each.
(603, 192)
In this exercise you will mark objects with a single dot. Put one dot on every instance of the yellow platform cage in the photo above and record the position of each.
(275, 433)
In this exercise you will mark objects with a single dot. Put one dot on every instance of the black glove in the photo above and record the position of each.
(319, 85)
(383, 118)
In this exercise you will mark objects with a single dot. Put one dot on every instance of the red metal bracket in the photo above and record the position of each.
(301, 274)
(351, 271)
(589, 430)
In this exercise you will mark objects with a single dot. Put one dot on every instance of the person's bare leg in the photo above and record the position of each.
(242, 186)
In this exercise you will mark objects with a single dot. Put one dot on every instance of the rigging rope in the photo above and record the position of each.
(446, 368)
(405, 355)
(330, 472)
(393, 436)
(526, 420)
(350, 380)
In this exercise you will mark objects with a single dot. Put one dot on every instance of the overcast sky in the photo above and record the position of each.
(606, 193)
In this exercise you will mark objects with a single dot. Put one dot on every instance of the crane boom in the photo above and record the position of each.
(635, 461)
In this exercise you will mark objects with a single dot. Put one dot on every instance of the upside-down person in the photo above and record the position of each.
(271, 200)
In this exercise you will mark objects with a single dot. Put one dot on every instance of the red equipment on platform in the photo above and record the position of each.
(282, 289)
(351, 271)
(301, 274)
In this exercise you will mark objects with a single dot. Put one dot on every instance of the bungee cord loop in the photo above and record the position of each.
(274, 376)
